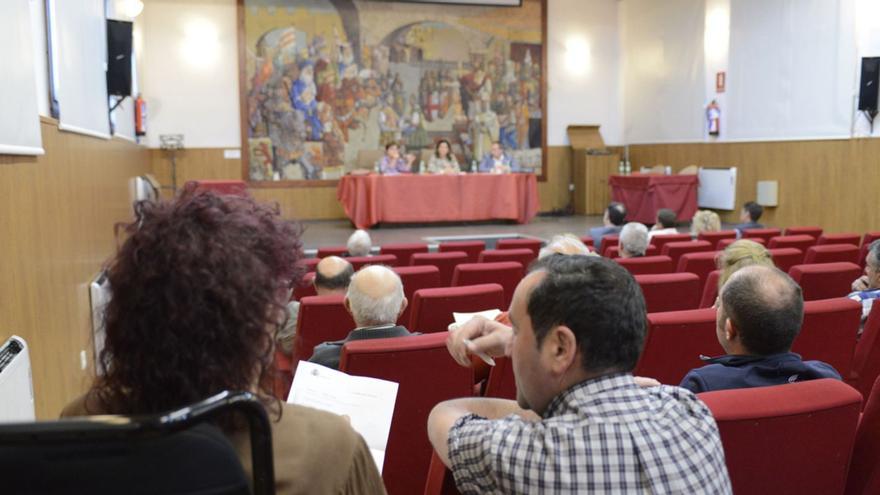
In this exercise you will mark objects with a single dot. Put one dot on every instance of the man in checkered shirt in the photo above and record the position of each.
(581, 422)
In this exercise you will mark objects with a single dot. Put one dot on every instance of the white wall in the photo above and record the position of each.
(199, 98)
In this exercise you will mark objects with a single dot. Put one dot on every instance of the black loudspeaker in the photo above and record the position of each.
(119, 58)
(869, 84)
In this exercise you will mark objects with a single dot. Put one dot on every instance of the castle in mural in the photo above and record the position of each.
(330, 82)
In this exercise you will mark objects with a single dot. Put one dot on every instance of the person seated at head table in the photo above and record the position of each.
(497, 161)
(443, 161)
(176, 337)
(393, 164)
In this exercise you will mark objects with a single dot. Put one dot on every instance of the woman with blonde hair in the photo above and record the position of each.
(705, 221)
(740, 254)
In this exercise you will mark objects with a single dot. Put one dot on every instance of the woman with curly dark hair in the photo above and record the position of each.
(199, 288)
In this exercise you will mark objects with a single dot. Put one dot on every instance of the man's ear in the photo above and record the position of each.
(730, 330)
(347, 305)
(403, 306)
(559, 349)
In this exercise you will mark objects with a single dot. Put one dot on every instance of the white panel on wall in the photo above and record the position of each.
(791, 69)
(41, 60)
(79, 45)
(663, 75)
(583, 59)
(19, 117)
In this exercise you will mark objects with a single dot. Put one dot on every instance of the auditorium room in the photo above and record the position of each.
(439, 247)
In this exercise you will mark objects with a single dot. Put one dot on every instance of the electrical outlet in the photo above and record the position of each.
(83, 360)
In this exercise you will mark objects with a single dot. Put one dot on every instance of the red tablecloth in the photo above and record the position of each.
(644, 194)
(371, 199)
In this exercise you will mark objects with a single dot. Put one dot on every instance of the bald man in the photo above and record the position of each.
(760, 312)
(375, 301)
(332, 276)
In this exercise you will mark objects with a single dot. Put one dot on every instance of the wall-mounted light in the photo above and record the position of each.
(578, 58)
(133, 8)
(200, 46)
(716, 34)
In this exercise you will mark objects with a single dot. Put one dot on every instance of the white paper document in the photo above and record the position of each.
(367, 402)
(462, 318)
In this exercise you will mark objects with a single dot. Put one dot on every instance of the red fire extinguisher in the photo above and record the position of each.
(140, 116)
(713, 118)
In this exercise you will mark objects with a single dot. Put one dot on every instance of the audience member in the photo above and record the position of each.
(375, 300)
(443, 161)
(565, 244)
(579, 326)
(177, 336)
(633, 240)
(867, 287)
(612, 223)
(740, 254)
(759, 315)
(393, 164)
(497, 161)
(665, 224)
(749, 217)
(359, 244)
(705, 221)
(332, 275)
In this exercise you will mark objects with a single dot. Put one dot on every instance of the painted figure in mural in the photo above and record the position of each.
(507, 120)
(389, 123)
(485, 129)
(393, 164)
(333, 140)
(416, 137)
(471, 85)
(303, 96)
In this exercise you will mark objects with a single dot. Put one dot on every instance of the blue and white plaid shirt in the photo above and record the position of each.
(605, 435)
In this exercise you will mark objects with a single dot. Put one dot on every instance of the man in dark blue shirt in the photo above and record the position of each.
(759, 315)
(749, 217)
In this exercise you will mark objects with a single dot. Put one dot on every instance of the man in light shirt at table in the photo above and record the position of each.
(497, 161)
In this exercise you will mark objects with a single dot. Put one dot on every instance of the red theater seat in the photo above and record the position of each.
(870, 237)
(445, 261)
(522, 256)
(501, 383)
(325, 251)
(864, 472)
(358, 262)
(670, 291)
(830, 253)
(813, 232)
(723, 243)
(426, 375)
(715, 237)
(608, 242)
(432, 308)
(440, 479)
(675, 341)
(415, 278)
(506, 273)
(845, 238)
(309, 264)
(306, 287)
(404, 251)
(613, 252)
(825, 280)
(710, 289)
(863, 255)
(647, 265)
(321, 319)
(795, 438)
(662, 240)
(702, 264)
(471, 248)
(588, 241)
(533, 244)
(785, 258)
(676, 249)
(866, 361)
(802, 242)
(765, 234)
(829, 332)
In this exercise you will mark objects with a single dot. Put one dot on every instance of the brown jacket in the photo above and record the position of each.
(314, 451)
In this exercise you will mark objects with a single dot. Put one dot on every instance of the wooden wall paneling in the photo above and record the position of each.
(56, 225)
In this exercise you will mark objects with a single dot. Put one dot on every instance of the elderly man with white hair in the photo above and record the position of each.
(375, 300)
(567, 244)
(359, 243)
(633, 240)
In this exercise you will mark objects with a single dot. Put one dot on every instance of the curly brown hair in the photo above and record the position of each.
(198, 286)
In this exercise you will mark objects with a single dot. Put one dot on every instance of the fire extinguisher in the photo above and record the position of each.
(140, 116)
(713, 118)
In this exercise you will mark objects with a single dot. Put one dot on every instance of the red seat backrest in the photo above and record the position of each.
(533, 244)
(866, 361)
(785, 258)
(609, 241)
(309, 264)
(676, 249)
(501, 383)
(613, 252)
(845, 238)
(506, 273)
(864, 472)
(723, 243)
(829, 253)
(358, 262)
(662, 240)
(814, 232)
(404, 251)
(440, 479)
(702, 263)
(445, 261)
(715, 237)
(825, 280)
(325, 251)
(863, 255)
(426, 375)
(829, 332)
(588, 241)
(647, 265)
(321, 319)
(787, 439)
(802, 242)
(414, 278)
(870, 237)
(710, 289)
(305, 288)
(523, 256)
(765, 234)
(675, 341)
(670, 291)
(223, 186)
(432, 308)
(472, 248)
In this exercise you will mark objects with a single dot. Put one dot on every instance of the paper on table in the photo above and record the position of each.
(367, 402)
(462, 318)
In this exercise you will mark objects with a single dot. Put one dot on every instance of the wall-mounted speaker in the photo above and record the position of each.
(869, 84)
(119, 52)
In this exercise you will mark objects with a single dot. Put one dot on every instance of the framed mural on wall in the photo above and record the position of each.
(326, 84)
